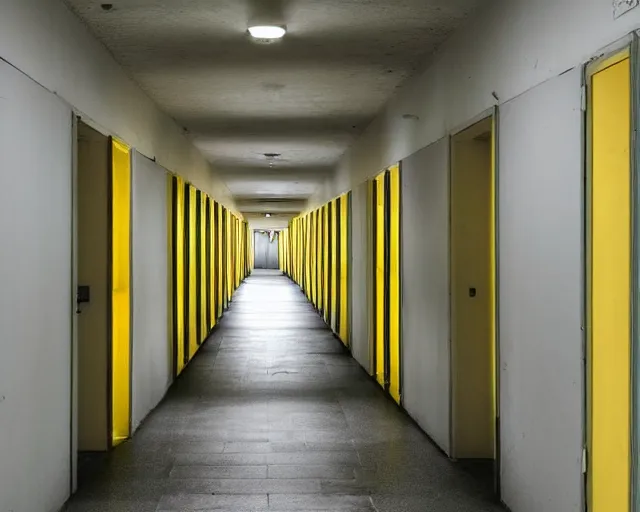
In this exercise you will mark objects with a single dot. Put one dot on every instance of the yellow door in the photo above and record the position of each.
(121, 291)
(211, 268)
(320, 258)
(219, 259)
(393, 211)
(344, 269)
(201, 271)
(378, 197)
(177, 259)
(334, 265)
(312, 252)
(192, 299)
(473, 293)
(325, 256)
(609, 291)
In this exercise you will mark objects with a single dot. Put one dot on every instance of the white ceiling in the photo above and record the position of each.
(306, 97)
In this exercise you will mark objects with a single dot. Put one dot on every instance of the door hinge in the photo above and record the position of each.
(584, 460)
(583, 98)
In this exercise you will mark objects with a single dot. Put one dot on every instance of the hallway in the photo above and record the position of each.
(273, 414)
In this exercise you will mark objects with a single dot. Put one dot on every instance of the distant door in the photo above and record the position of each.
(473, 372)
(266, 250)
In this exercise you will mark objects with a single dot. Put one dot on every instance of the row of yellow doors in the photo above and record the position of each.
(315, 254)
(610, 277)
(210, 255)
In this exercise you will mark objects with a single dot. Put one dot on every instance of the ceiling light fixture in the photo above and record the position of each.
(267, 31)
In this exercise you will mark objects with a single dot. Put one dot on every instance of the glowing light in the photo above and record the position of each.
(267, 32)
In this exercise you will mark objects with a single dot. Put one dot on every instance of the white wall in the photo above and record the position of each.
(540, 297)
(508, 48)
(360, 278)
(46, 41)
(35, 296)
(152, 357)
(425, 290)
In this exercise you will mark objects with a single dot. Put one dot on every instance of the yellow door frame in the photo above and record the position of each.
(120, 310)
(610, 435)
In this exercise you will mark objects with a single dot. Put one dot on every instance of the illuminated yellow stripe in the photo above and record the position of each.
(220, 269)
(193, 318)
(379, 289)
(394, 285)
(204, 328)
(610, 287)
(178, 263)
(326, 255)
(344, 269)
(121, 290)
(212, 250)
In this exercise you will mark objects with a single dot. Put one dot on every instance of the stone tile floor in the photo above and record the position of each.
(274, 415)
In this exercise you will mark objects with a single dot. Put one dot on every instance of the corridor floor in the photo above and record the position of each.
(273, 414)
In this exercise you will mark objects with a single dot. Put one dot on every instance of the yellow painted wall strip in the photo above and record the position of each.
(610, 289)
(379, 288)
(344, 269)
(394, 289)
(121, 290)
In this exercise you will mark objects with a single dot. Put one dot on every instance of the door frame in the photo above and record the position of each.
(493, 114)
(77, 118)
(597, 63)
(73, 420)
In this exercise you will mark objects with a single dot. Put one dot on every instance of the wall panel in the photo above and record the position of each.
(540, 297)
(425, 289)
(36, 298)
(152, 350)
(360, 278)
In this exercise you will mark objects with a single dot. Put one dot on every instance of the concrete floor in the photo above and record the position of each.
(273, 414)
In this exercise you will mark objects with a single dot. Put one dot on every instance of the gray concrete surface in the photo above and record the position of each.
(273, 414)
(306, 97)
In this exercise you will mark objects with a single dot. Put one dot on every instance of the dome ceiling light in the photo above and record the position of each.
(267, 32)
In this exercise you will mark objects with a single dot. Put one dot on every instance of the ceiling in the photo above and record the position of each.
(305, 98)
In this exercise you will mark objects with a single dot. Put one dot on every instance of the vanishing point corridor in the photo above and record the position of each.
(273, 414)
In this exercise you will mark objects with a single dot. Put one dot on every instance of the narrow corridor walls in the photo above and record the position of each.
(316, 253)
(210, 255)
